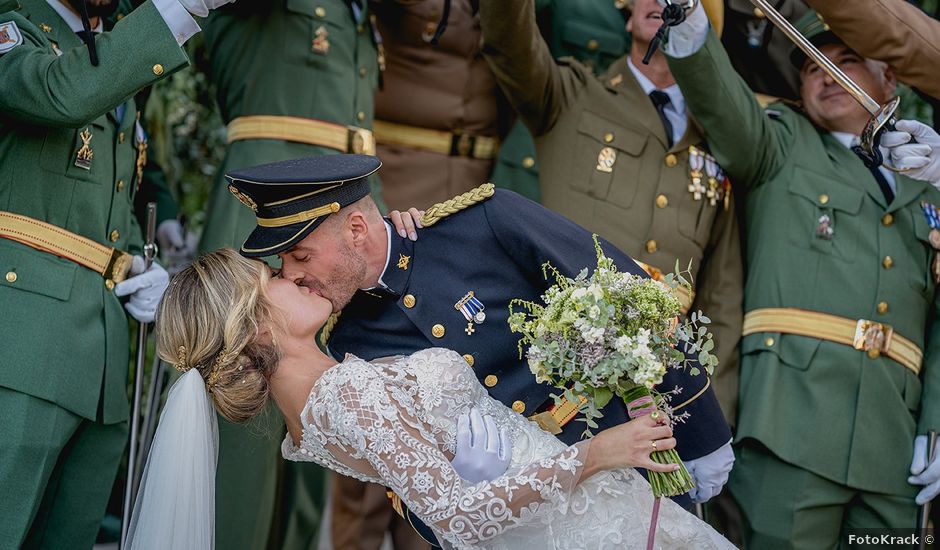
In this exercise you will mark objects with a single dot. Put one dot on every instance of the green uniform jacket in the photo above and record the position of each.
(64, 335)
(263, 63)
(642, 205)
(590, 31)
(820, 405)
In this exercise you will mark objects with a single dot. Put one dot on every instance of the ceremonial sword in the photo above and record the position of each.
(882, 116)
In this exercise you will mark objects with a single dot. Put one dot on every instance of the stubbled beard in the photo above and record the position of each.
(96, 8)
(345, 278)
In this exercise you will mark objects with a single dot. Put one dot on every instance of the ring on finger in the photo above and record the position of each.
(653, 444)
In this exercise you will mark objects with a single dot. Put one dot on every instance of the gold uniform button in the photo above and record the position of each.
(360, 116)
(887, 263)
(528, 162)
(120, 185)
(769, 342)
(874, 354)
(320, 11)
(823, 199)
(121, 137)
(438, 331)
(109, 284)
(759, 13)
(662, 201)
(362, 71)
(360, 29)
(671, 160)
(158, 69)
(651, 246)
(608, 137)
(11, 276)
(882, 307)
(592, 44)
(468, 358)
(114, 236)
(518, 406)
(887, 220)
(490, 380)
(409, 301)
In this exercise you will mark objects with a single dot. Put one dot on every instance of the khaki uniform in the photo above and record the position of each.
(438, 109)
(605, 164)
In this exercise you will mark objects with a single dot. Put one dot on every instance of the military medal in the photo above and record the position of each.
(606, 159)
(696, 163)
(932, 213)
(141, 138)
(321, 42)
(716, 177)
(85, 153)
(403, 262)
(472, 309)
(824, 229)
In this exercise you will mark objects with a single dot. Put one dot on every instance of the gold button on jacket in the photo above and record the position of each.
(438, 331)
(490, 381)
(518, 406)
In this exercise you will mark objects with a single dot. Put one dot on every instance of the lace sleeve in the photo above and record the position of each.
(377, 429)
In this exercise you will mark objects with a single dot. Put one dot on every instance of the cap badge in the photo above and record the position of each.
(245, 199)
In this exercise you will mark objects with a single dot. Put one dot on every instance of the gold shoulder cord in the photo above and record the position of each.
(461, 202)
(328, 327)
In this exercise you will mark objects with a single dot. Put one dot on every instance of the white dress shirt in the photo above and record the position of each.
(675, 111)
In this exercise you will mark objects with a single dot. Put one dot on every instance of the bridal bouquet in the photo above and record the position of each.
(611, 334)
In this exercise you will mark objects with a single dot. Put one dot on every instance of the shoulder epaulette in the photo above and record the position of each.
(441, 210)
(327, 329)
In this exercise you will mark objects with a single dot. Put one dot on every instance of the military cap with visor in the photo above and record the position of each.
(292, 198)
(814, 28)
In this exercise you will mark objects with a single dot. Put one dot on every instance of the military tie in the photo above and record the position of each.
(660, 100)
(883, 184)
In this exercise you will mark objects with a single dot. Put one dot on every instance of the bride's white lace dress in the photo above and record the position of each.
(394, 423)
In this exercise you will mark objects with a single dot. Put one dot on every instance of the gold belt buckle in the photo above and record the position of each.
(360, 141)
(873, 337)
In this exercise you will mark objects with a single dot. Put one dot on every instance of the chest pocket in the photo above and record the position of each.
(62, 149)
(315, 34)
(825, 214)
(607, 165)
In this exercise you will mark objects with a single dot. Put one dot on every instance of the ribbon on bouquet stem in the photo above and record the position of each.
(641, 407)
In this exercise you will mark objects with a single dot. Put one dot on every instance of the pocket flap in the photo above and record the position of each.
(611, 134)
(35, 271)
(825, 192)
(793, 350)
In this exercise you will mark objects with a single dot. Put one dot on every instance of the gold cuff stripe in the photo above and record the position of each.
(110, 263)
(694, 397)
(824, 326)
(435, 141)
(345, 139)
(300, 217)
(685, 296)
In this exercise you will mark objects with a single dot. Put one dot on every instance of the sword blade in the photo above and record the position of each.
(849, 85)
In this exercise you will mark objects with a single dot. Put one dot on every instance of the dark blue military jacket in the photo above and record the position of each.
(496, 249)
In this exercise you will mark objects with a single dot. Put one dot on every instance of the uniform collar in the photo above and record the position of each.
(71, 18)
(399, 261)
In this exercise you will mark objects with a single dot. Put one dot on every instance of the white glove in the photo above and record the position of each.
(178, 247)
(924, 474)
(201, 7)
(922, 159)
(145, 289)
(483, 451)
(688, 37)
(710, 473)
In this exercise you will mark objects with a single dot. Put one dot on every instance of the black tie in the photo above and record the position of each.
(883, 184)
(660, 100)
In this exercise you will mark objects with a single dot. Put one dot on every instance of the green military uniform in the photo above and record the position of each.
(64, 334)
(590, 31)
(825, 431)
(304, 59)
(607, 166)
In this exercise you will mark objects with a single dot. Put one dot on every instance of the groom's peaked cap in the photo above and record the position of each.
(292, 198)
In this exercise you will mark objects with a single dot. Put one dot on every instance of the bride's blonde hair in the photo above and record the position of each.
(213, 318)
